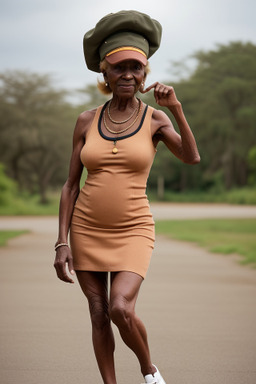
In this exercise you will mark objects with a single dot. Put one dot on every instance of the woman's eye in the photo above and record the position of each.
(116, 68)
(137, 67)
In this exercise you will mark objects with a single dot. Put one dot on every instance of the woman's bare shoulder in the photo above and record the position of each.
(160, 120)
(159, 116)
(86, 117)
(84, 121)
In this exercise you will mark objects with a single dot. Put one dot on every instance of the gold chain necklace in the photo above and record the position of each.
(125, 129)
(115, 150)
(123, 121)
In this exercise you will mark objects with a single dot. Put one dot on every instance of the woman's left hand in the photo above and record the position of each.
(164, 94)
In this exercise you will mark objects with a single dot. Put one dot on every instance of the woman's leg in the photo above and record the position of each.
(123, 295)
(95, 288)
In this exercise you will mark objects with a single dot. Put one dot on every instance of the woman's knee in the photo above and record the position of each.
(121, 313)
(99, 312)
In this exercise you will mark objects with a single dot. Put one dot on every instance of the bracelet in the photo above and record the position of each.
(60, 245)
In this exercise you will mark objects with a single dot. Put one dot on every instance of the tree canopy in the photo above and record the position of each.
(35, 134)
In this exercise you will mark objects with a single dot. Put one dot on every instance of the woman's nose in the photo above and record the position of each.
(127, 74)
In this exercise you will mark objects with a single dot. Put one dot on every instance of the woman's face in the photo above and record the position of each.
(125, 78)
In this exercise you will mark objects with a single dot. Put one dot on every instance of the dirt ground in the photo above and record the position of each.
(199, 310)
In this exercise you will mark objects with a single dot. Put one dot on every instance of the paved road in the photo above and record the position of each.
(199, 310)
(160, 211)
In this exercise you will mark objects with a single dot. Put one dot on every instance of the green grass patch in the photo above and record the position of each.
(6, 235)
(241, 196)
(235, 236)
(31, 206)
(25, 204)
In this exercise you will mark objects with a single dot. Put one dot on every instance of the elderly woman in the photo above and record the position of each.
(109, 220)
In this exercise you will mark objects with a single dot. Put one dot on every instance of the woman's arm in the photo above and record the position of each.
(182, 145)
(68, 198)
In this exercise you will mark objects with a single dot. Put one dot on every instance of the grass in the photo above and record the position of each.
(236, 236)
(242, 196)
(6, 235)
(225, 236)
(30, 206)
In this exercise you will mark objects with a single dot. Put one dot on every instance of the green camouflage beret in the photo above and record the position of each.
(122, 29)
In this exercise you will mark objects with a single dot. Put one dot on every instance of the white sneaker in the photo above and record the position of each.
(156, 378)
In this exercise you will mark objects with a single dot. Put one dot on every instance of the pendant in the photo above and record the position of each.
(115, 150)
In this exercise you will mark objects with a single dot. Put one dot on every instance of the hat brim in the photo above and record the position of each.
(118, 57)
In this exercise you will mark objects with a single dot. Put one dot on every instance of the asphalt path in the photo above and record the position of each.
(199, 310)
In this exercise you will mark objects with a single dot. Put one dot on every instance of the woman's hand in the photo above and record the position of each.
(164, 95)
(63, 257)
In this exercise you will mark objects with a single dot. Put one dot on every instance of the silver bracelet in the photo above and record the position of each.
(60, 245)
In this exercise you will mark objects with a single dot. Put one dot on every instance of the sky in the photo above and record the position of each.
(45, 36)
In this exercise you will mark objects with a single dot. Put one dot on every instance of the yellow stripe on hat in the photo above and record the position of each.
(126, 49)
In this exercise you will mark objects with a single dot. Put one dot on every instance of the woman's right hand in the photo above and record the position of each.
(63, 260)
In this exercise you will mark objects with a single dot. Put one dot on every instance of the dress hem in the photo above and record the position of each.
(81, 269)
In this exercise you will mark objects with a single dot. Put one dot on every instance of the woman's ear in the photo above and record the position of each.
(141, 88)
(104, 73)
(143, 82)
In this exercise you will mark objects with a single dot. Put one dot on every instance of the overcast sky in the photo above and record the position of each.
(45, 36)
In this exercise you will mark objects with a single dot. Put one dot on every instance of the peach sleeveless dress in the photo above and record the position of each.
(112, 228)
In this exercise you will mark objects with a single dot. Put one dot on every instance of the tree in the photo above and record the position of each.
(224, 83)
(252, 165)
(35, 132)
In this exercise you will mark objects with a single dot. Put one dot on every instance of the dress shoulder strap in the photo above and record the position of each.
(97, 114)
(148, 116)
(150, 110)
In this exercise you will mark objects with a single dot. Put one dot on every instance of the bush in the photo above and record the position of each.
(8, 188)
